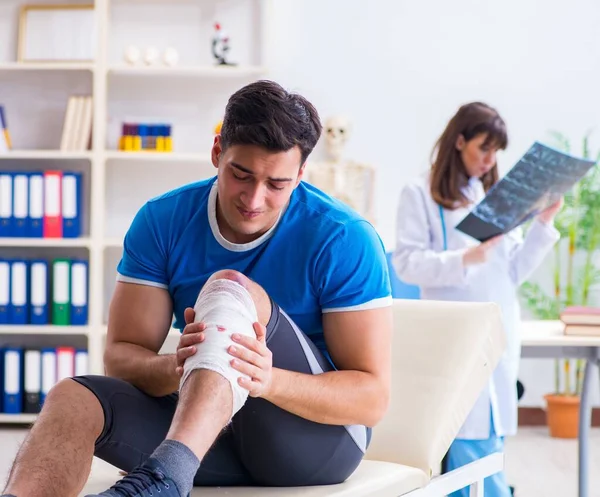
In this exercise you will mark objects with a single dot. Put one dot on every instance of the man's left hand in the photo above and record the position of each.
(253, 358)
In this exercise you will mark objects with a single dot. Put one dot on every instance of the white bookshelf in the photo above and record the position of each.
(43, 330)
(189, 71)
(17, 418)
(171, 157)
(190, 96)
(45, 155)
(52, 66)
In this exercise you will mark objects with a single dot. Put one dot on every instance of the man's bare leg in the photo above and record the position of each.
(55, 459)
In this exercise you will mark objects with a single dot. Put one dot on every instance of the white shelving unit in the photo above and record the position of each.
(191, 96)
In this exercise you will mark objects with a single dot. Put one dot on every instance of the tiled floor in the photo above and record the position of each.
(537, 465)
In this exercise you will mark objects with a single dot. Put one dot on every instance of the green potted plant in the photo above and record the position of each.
(575, 275)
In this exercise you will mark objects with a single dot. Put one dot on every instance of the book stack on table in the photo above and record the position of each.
(583, 321)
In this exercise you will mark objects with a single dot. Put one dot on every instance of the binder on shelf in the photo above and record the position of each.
(79, 292)
(6, 204)
(61, 270)
(4, 291)
(39, 292)
(33, 382)
(20, 205)
(81, 362)
(36, 205)
(53, 227)
(12, 393)
(18, 309)
(65, 363)
(48, 372)
(71, 204)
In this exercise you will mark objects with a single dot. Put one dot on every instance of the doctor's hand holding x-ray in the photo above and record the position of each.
(447, 264)
(479, 253)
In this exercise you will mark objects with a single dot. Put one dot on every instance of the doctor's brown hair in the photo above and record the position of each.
(448, 173)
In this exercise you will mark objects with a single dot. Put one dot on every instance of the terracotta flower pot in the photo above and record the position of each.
(562, 414)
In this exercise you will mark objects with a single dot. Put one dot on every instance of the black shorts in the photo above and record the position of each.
(263, 445)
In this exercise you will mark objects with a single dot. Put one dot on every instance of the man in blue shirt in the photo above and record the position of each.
(310, 379)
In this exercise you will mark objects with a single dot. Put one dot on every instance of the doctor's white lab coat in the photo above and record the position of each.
(420, 259)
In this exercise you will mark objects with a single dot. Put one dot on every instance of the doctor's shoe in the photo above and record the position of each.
(146, 480)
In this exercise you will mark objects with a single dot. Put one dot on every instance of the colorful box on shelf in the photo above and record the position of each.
(39, 292)
(28, 374)
(146, 138)
(43, 204)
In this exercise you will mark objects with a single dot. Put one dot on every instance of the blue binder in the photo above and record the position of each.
(18, 310)
(4, 291)
(71, 204)
(81, 362)
(79, 292)
(2, 379)
(39, 292)
(20, 205)
(6, 204)
(13, 386)
(36, 205)
(48, 372)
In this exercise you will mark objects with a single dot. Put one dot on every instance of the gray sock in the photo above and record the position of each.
(179, 462)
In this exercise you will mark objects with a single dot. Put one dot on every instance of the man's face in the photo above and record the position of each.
(254, 185)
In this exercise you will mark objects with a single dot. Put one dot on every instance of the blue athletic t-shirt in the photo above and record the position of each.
(319, 257)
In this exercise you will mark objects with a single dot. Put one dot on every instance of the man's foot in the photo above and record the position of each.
(146, 480)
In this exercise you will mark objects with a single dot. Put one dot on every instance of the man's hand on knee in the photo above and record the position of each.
(193, 334)
(253, 359)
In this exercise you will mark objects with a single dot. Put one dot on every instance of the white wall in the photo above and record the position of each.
(400, 69)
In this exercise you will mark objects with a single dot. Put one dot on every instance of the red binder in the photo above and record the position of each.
(53, 225)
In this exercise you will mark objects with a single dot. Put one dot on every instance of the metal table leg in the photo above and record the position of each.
(585, 421)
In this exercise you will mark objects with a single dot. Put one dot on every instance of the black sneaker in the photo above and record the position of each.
(146, 480)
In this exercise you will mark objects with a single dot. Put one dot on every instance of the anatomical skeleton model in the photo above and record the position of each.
(349, 181)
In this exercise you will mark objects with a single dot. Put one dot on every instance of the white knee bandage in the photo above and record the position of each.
(222, 305)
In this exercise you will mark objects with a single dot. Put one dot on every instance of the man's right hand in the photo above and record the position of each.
(193, 333)
(480, 253)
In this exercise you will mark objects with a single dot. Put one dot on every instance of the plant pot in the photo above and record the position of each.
(562, 415)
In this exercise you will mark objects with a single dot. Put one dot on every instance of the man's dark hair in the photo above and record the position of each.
(264, 114)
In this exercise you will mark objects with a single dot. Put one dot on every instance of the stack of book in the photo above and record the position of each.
(580, 320)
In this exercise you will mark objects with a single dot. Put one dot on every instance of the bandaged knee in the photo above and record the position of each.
(225, 307)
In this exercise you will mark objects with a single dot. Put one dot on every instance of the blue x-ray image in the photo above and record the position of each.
(535, 182)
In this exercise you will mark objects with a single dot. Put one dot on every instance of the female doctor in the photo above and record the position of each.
(449, 265)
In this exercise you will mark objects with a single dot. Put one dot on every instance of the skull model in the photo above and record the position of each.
(337, 131)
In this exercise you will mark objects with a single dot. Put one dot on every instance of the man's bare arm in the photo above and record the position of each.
(359, 343)
(139, 321)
